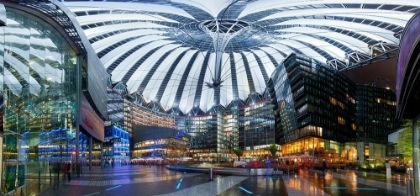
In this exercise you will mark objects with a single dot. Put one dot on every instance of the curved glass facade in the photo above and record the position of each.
(38, 71)
(315, 108)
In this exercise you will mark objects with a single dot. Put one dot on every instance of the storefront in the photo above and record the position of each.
(317, 148)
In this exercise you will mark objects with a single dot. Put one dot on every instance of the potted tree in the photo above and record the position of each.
(239, 152)
(273, 149)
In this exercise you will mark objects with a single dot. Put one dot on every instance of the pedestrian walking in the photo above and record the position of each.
(56, 169)
(267, 165)
(324, 166)
(68, 172)
(248, 166)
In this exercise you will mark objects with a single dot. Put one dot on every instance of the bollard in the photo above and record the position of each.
(211, 174)
(410, 188)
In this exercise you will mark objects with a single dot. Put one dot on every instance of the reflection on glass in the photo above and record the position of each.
(38, 77)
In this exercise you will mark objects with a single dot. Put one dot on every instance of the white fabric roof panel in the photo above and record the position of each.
(325, 30)
(176, 79)
(105, 29)
(152, 87)
(261, 5)
(243, 86)
(104, 43)
(350, 42)
(132, 59)
(117, 52)
(226, 94)
(386, 15)
(84, 20)
(86, 6)
(190, 88)
(141, 71)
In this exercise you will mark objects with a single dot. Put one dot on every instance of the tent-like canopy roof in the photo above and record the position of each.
(194, 56)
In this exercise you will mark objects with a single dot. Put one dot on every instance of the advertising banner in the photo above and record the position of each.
(90, 121)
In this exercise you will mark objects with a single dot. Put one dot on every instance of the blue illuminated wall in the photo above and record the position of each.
(119, 140)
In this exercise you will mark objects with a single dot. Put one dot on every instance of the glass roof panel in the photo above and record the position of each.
(127, 63)
(243, 86)
(104, 43)
(109, 58)
(214, 7)
(206, 101)
(151, 46)
(150, 7)
(257, 77)
(188, 94)
(89, 19)
(173, 83)
(140, 73)
(226, 92)
(104, 29)
(153, 86)
(268, 65)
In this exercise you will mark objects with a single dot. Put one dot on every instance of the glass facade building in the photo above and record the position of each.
(375, 119)
(116, 146)
(315, 107)
(152, 141)
(249, 127)
(375, 112)
(38, 68)
(257, 128)
(44, 95)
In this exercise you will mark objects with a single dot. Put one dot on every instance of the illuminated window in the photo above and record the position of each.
(341, 120)
(333, 101)
(341, 105)
(351, 99)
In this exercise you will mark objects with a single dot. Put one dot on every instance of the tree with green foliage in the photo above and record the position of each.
(405, 144)
(239, 152)
(273, 149)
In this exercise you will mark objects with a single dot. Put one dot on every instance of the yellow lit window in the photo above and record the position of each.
(341, 120)
(333, 101)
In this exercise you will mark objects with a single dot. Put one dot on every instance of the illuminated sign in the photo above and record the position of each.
(87, 123)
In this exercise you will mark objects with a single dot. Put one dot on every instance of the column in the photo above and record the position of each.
(360, 146)
(1, 160)
(102, 155)
(416, 157)
(90, 152)
(78, 109)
